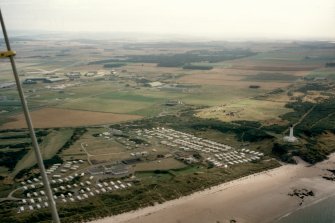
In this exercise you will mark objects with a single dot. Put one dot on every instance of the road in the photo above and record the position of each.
(87, 153)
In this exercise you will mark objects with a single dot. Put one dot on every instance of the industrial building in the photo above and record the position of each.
(35, 80)
(116, 170)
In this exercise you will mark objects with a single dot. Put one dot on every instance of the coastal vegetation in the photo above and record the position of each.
(155, 187)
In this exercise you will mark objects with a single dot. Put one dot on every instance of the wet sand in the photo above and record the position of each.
(261, 197)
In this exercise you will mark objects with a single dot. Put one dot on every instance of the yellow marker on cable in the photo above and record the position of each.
(7, 53)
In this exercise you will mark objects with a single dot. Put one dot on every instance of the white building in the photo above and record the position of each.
(291, 138)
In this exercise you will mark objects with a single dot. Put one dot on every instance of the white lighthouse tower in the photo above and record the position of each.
(291, 137)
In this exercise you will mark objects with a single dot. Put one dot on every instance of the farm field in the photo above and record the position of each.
(55, 117)
(274, 65)
(106, 105)
(247, 109)
(169, 118)
(149, 102)
(221, 80)
(323, 73)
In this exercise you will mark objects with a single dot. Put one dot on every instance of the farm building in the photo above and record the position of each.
(91, 73)
(7, 85)
(34, 80)
(115, 132)
(173, 102)
(117, 170)
(155, 84)
(73, 75)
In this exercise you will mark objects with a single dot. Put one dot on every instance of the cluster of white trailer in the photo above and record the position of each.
(218, 154)
(38, 200)
(32, 184)
(110, 186)
(36, 182)
(68, 166)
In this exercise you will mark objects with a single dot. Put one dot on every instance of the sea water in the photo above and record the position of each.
(321, 212)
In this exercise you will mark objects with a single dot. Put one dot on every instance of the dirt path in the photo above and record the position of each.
(323, 119)
(302, 118)
(87, 153)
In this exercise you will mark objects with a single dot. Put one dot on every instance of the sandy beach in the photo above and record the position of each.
(261, 197)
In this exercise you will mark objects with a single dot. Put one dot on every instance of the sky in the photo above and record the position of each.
(213, 19)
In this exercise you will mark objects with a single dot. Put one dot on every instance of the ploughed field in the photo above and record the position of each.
(55, 117)
(241, 95)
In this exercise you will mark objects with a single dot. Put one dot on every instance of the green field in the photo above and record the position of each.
(247, 109)
(54, 141)
(164, 164)
(217, 95)
(103, 105)
(280, 77)
(149, 102)
(248, 100)
(325, 72)
(224, 64)
(4, 142)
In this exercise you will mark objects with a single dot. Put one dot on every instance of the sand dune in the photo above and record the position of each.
(261, 197)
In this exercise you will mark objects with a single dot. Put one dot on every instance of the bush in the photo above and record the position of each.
(312, 155)
(10, 159)
(112, 65)
(49, 162)
(284, 152)
(197, 67)
(77, 133)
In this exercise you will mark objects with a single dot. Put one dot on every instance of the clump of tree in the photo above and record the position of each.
(9, 159)
(179, 60)
(23, 173)
(55, 159)
(138, 140)
(77, 133)
(318, 120)
(16, 136)
(41, 133)
(330, 64)
(16, 145)
(244, 132)
(284, 152)
(114, 65)
(271, 77)
(196, 67)
(275, 128)
(314, 87)
(312, 153)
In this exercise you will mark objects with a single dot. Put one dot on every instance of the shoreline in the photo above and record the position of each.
(260, 197)
(305, 206)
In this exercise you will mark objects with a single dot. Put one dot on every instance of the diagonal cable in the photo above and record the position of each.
(10, 54)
